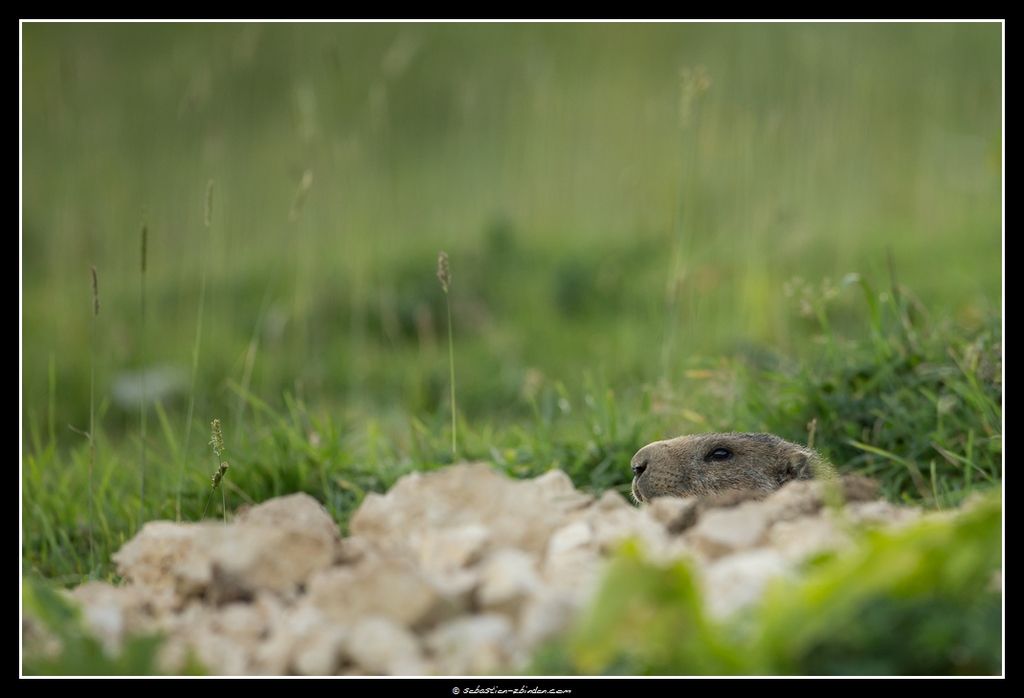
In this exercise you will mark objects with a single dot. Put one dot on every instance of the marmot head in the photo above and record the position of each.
(703, 465)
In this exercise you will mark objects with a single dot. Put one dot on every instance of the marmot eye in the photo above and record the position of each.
(720, 454)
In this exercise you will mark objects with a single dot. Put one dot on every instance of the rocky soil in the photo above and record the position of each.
(454, 572)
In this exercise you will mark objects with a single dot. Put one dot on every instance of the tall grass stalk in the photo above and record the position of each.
(694, 83)
(143, 406)
(257, 330)
(195, 350)
(444, 275)
(51, 405)
(217, 440)
(254, 345)
(92, 408)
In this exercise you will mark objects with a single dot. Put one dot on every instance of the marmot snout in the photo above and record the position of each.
(703, 465)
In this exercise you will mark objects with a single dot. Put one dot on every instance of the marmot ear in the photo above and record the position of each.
(800, 466)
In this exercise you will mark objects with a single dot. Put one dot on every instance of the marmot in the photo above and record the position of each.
(706, 465)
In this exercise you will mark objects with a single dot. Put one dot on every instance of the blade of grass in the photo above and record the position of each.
(195, 350)
(915, 472)
(143, 407)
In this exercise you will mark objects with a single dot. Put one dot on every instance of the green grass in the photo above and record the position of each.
(621, 274)
(547, 160)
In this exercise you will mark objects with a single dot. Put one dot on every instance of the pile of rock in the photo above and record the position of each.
(454, 572)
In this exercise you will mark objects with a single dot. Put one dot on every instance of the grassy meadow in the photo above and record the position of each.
(652, 229)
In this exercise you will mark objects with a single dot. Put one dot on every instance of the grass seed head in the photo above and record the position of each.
(219, 475)
(695, 82)
(444, 275)
(217, 440)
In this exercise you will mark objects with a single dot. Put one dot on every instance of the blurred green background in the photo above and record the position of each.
(620, 203)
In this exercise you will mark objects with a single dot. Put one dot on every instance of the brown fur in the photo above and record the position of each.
(708, 465)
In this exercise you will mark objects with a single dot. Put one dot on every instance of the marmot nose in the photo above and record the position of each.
(639, 468)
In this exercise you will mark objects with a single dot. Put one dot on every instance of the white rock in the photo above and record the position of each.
(572, 536)
(611, 528)
(386, 586)
(481, 644)
(457, 571)
(320, 651)
(797, 539)
(880, 513)
(379, 645)
(105, 610)
(546, 615)
(518, 513)
(611, 500)
(149, 558)
(572, 561)
(275, 546)
(508, 577)
(676, 514)
(450, 548)
(723, 531)
(300, 510)
(738, 580)
(279, 559)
